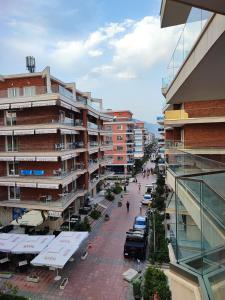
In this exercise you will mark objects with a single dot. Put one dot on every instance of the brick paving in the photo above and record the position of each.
(99, 277)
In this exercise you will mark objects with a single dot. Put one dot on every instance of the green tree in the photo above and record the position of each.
(155, 282)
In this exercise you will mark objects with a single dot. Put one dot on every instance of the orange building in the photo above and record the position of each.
(122, 138)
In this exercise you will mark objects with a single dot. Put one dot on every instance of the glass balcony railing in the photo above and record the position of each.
(197, 230)
(195, 24)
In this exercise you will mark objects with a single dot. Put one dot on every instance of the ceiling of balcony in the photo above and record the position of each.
(206, 81)
(216, 6)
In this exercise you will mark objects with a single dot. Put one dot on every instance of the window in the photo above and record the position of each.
(119, 127)
(29, 91)
(12, 168)
(10, 118)
(119, 148)
(12, 143)
(13, 92)
(120, 158)
(119, 138)
(14, 192)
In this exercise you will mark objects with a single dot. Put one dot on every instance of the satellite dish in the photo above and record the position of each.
(30, 64)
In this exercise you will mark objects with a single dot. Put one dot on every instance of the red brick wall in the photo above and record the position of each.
(204, 135)
(42, 142)
(21, 82)
(3, 193)
(210, 108)
(34, 194)
(173, 135)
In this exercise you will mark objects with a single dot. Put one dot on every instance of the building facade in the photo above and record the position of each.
(122, 139)
(194, 131)
(139, 139)
(52, 146)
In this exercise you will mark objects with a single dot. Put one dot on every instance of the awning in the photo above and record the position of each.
(26, 184)
(60, 250)
(33, 244)
(31, 218)
(63, 104)
(48, 186)
(6, 158)
(44, 103)
(93, 114)
(4, 106)
(6, 132)
(24, 132)
(44, 131)
(47, 158)
(7, 183)
(25, 158)
(21, 105)
(9, 240)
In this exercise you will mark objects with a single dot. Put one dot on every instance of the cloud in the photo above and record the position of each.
(139, 49)
(95, 53)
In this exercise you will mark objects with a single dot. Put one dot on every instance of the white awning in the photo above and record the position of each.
(93, 114)
(92, 132)
(68, 131)
(6, 132)
(75, 109)
(21, 105)
(31, 218)
(44, 103)
(60, 250)
(48, 186)
(63, 104)
(7, 183)
(33, 244)
(65, 157)
(47, 130)
(27, 184)
(24, 132)
(4, 106)
(6, 158)
(47, 158)
(25, 158)
(9, 240)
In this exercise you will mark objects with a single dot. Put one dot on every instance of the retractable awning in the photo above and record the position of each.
(9, 240)
(31, 218)
(60, 250)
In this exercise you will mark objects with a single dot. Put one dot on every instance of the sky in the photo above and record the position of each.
(114, 49)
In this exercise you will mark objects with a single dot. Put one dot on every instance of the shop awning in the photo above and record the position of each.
(9, 240)
(33, 244)
(31, 218)
(45, 130)
(60, 250)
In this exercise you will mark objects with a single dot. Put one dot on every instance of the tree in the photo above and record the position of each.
(155, 282)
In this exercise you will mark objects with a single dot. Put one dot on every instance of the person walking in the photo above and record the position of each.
(139, 186)
(128, 205)
(140, 207)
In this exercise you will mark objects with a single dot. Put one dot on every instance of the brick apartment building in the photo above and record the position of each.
(194, 125)
(52, 149)
(122, 138)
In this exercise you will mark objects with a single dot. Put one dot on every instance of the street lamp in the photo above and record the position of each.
(153, 217)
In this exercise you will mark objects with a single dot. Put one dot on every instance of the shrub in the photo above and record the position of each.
(83, 226)
(109, 195)
(95, 214)
(155, 282)
(12, 297)
(117, 189)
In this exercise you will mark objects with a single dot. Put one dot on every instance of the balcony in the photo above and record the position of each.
(199, 238)
(176, 114)
(45, 202)
(91, 125)
(194, 26)
(161, 130)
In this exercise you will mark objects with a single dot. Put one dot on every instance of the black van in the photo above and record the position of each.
(135, 244)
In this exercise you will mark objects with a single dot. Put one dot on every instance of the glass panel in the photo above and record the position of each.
(29, 91)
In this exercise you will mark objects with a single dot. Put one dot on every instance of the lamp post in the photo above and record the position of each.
(153, 218)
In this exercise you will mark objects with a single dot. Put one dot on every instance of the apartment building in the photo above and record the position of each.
(52, 149)
(139, 139)
(122, 139)
(194, 126)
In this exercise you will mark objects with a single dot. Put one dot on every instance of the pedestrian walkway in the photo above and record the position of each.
(99, 277)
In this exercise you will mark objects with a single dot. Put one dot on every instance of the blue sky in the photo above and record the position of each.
(113, 48)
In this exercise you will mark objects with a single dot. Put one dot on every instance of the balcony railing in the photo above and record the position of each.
(92, 125)
(195, 24)
(176, 115)
(93, 144)
(160, 118)
(196, 144)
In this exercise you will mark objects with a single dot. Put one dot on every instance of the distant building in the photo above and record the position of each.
(122, 154)
(139, 141)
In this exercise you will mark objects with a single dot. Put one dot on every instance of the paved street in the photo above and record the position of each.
(99, 277)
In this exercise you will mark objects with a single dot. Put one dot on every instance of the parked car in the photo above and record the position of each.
(66, 226)
(75, 218)
(147, 199)
(135, 244)
(141, 223)
(6, 228)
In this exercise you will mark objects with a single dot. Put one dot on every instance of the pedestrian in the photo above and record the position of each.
(128, 205)
(125, 189)
(139, 187)
(140, 207)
